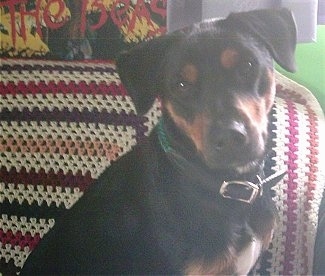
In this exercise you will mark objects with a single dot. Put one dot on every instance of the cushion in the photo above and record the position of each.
(62, 123)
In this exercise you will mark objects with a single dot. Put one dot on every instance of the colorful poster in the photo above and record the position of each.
(77, 29)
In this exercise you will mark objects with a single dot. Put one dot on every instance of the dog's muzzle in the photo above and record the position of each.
(246, 191)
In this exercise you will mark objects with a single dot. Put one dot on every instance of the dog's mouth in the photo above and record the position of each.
(239, 167)
(236, 151)
(248, 167)
(243, 160)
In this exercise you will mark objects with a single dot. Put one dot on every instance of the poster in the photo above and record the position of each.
(77, 29)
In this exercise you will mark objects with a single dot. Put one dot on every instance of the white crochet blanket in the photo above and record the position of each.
(63, 123)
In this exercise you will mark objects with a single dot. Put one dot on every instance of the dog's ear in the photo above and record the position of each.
(276, 28)
(139, 70)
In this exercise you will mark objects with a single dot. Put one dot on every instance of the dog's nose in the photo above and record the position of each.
(231, 137)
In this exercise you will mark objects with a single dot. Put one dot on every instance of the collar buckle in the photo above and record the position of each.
(243, 191)
(246, 191)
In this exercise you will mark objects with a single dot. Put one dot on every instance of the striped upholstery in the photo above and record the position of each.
(298, 129)
(63, 123)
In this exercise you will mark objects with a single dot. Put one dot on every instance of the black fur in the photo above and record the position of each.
(159, 211)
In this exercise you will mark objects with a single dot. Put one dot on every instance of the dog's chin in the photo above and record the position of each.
(248, 167)
(239, 168)
(244, 163)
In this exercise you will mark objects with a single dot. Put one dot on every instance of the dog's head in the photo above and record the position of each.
(216, 82)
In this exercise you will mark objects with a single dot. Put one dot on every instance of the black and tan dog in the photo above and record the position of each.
(191, 199)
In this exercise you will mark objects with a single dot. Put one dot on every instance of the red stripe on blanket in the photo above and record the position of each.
(295, 97)
(291, 201)
(312, 170)
(313, 156)
(46, 178)
(61, 87)
(19, 239)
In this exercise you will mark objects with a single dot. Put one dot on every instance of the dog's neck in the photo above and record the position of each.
(190, 165)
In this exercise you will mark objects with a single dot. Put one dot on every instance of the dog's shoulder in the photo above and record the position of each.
(121, 189)
(108, 222)
(126, 174)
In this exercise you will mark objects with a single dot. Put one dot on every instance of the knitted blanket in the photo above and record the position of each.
(63, 123)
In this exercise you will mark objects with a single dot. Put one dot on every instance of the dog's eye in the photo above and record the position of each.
(246, 66)
(183, 85)
(249, 65)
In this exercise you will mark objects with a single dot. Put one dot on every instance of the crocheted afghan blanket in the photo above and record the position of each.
(63, 123)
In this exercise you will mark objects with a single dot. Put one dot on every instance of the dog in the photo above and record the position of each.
(192, 198)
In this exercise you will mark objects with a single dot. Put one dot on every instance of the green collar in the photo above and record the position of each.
(163, 137)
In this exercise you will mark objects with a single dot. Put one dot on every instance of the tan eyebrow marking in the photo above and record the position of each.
(190, 73)
(229, 58)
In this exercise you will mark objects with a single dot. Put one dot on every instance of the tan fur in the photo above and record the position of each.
(265, 231)
(190, 73)
(225, 264)
(195, 130)
(255, 111)
(270, 94)
(229, 58)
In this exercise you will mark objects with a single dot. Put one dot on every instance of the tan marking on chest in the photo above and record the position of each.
(248, 257)
(224, 264)
(228, 263)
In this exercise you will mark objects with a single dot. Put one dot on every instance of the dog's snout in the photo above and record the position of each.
(231, 137)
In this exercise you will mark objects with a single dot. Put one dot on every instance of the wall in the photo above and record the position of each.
(311, 66)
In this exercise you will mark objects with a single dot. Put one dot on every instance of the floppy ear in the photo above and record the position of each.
(276, 28)
(139, 70)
